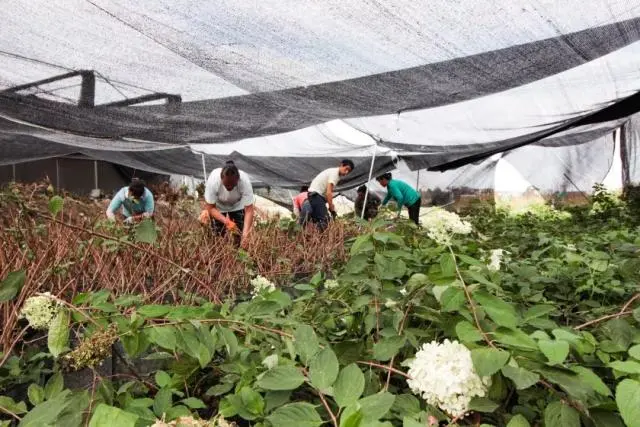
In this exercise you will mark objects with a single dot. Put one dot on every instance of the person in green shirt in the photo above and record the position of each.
(403, 194)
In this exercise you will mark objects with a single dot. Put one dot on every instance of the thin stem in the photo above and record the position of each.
(385, 367)
(334, 420)
(628, 303)
(400, 329)
(6, 411)
(603, 318)
(132, 245)
(472, 304)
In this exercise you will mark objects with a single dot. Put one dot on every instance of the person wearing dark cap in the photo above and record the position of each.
(371, 207)
(134, 201)
(229, 202)
(321, 192)
(403, 194)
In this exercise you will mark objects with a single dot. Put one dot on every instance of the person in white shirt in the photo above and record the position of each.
(321, 192)
(230, 202)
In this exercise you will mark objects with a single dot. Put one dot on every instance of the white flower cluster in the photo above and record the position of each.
(261, 284)
(441, 225)
(331, 284)
(40, 310)
(495, 259)
(192, 422)
(443, 375)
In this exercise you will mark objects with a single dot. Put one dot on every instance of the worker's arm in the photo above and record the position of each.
(330, 197)
(149, 205)
(216, 214)
(386, 198)
(296, 208)
(249, 213)
(115, 204)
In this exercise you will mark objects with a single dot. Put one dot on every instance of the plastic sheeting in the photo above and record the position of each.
(260, 79)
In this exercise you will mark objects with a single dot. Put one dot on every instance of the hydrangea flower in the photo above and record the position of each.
(261, 284)
(444, 376)
(495, 259)
(40, 310)
(441, 225)
(331, 284)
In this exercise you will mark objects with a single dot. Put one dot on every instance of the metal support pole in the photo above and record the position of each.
(95, 174)
(366, 193)
(204, 167)
(57, 174)
(418, 181)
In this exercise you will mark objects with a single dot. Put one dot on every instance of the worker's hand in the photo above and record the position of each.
(231, 226)
(205, 218)
(332, 208)
(244, 243)
(333, 213)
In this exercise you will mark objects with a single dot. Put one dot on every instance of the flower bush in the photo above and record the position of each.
(444, 376)
(407, 332)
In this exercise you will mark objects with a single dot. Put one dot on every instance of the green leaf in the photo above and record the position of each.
(635, 352)
(515, 338)
(482, 404)
(154, 311)
(555, 351)
(47, 412)
(163, 336)
(146, 231)
(9, 404)
(56, 203)
(230, 341)
(107, 416)
(518, 421)
(377, 405)
(488, 361)
(627, 366)
(299, 414)
(362, 244)
(452, 299)
(349, 386)
(163, 379)
(252, 402)
(521, 377)
(557, 414)
(323, 369)
(162, 402)
(605, 419)
(54, 386)
(589, 377)
(538, 311)
(389, 269)
(11, 285)
(448, 265)
(274, 399)
(36, 394)
(386, 348)
(283, 377)
(501, 312)
(467, 332)
(620, 332)
(353, 419)
(306, 343)
(58, 338)
(204, 355)
(628, 401)
(194, 403)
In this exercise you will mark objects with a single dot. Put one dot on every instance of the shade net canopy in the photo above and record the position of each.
(289, 87)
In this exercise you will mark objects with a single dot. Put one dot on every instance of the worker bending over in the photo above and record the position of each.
(135, 203)
(301, 205)
(403, 194)
(321, 192)
(230, 202)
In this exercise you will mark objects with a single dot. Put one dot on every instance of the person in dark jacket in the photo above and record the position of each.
(372, 205)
